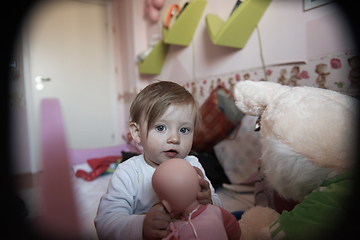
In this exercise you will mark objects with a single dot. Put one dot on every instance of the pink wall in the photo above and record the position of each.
(288, 35)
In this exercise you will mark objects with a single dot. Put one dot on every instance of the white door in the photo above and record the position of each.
(69, 47)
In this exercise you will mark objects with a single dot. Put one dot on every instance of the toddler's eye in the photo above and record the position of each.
(160, 128)
(184, 130)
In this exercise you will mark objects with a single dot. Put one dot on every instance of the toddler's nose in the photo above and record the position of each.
(173, 139)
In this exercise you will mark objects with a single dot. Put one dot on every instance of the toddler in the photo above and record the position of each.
(163, 119)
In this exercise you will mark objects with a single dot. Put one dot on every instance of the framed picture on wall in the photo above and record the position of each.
(310, 4)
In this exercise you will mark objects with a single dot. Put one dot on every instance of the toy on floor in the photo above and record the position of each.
(176, 184)
(308, 138)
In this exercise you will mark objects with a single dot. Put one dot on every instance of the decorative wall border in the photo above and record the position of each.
(339, 72)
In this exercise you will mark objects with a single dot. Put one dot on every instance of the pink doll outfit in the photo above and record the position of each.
(205, 222)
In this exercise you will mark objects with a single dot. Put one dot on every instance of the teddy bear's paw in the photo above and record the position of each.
(255, 220)
(264, 234)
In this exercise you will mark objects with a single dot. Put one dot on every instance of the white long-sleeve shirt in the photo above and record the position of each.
(129, 196)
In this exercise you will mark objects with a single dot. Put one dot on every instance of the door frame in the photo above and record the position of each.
(33, 135)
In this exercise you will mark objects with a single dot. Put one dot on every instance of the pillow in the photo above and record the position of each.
(88, 168)
(219, 116)
(239, 157)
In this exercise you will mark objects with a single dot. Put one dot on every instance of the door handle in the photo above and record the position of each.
(40, 79)
(39, 82)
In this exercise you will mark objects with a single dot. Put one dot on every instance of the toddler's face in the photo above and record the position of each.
(170, 136)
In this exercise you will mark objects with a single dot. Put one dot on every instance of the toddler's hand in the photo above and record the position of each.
(156, 222)
(204, 197)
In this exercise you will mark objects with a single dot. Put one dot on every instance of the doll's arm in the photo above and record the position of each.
(231, 225)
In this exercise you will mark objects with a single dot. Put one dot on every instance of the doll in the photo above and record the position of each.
(176, 184)
(308, 138)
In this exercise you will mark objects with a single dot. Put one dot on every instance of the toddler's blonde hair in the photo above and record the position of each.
(152, 102)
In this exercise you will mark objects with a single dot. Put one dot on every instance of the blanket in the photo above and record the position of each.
(98, 167)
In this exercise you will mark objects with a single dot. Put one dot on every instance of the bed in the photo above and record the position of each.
(69, 203)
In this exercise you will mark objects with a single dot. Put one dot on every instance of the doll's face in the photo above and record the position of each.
(176, 183)
(170, 136)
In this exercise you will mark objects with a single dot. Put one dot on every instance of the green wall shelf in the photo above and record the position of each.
(236, 31)
(155, 60)
(183, 29)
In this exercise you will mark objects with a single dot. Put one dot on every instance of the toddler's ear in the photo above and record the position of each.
(135, 131)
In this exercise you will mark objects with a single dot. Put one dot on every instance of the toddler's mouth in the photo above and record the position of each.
(171, 153)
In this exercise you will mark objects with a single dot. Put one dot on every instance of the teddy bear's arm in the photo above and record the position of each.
(264, 234)
(255, 220)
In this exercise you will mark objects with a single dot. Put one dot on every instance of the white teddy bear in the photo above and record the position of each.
(308, 138)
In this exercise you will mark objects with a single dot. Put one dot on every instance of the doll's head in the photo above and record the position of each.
(176, 184)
